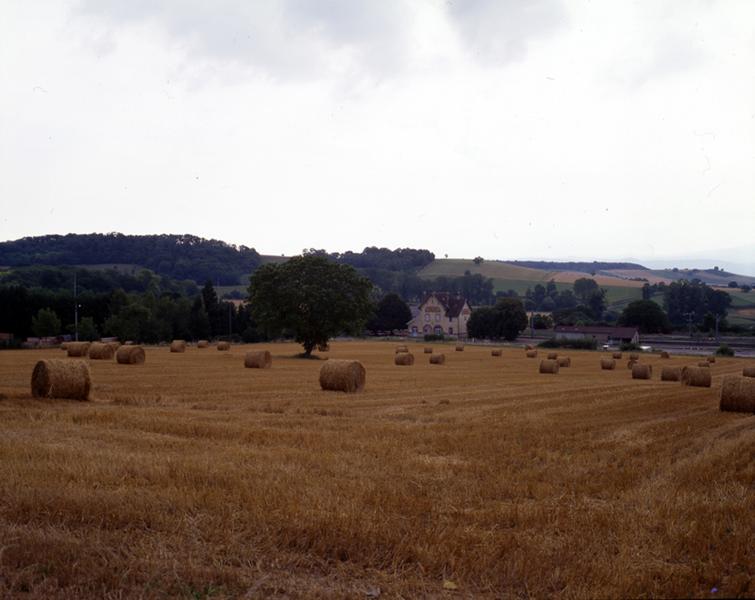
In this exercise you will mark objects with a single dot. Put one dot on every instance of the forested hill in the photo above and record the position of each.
(175, 256)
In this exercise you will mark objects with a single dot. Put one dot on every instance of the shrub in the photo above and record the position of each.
(724, 350)
(434, 337)
(629, 347)
(567, 343)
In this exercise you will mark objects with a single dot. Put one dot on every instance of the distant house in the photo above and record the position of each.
(602, 335)
(441, 313)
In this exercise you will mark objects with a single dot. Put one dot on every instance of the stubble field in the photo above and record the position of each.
(190, 476)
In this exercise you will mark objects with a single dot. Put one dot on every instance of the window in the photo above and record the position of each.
(427, 317)
(437, 317)
(451, 330)
(438, 330)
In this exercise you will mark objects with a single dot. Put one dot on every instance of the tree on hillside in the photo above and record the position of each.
(584, 287)
(311, 297)
(646, 315)
(392, 313)
(46, 323)
(503, 321)
(87, 330)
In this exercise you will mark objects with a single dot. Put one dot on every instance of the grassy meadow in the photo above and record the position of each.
(190, 476)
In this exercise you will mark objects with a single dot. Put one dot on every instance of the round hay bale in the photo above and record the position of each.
(665, 354)
(711, 359)
(178, 346)
(404, 359)
(634, 356)
(130, 355)
(630, 364)
(552, 355)
(401, 349)
(696, 377)
(224, 346)
(642, 371)
(617, 355)
(343, 376)
(564, 361)
(323, 347)
(549, 366)
(57, 378)
(528, 347)
(258, 359)
(64, 346)
(438, 359)
(748, 372)
(671, 374)
(607, 364)
(114, 346)
(495, 352)
(100, 351)
(460, 347)
(531, 353)
(428, 350)
(203, 344)
(704, 365)
(77, 349)
(738, 394)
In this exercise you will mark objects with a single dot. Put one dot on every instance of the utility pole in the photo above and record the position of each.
(690, 316)
(230, 310)
(718, 318)
(75, 308)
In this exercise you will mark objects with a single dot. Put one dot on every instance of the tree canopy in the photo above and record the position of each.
(646, 315)
(503, 321)
(312, 298)
(391, 313)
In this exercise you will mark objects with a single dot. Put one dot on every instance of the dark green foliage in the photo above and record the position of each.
(579, 315)
(87, 330)
(629, 347)
(312, 297)
(391, 313)
(503, 321)
(434, 337)
(683, 298)
(177, 256)
(724, 350)
(542, 322)
(46, 323)
(646, 315)
(579, 344)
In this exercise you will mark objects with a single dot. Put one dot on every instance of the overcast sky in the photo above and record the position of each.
(502, 128)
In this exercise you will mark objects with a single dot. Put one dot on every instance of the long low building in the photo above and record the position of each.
(601, 334)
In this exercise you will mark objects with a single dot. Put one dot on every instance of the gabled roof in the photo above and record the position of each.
(617, 332)
(453, 305)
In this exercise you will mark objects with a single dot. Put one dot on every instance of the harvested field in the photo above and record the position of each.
(200, 478)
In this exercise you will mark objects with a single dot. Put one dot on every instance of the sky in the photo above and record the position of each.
(545, 129)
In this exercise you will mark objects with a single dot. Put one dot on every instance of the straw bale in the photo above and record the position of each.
(428, 350)
(738, 394)
(178, 346)
(77, 349)
(607, 364)
(696, 377)
(495, 352)
(203, 344)
(224, 346)
(531, 353)
(642, 371)
(55, 378)
(564, 361)
(404, 359)
(617, 355)
(634, 356)
(748, 372)
(630, 364)
(671, 374)
(100, 351)
(401, 349)
(343, 375)
(437, 359)
(460, 347)
(552, 355)
(130, 355)
(549, 366)
(665, 354)
(258, 359)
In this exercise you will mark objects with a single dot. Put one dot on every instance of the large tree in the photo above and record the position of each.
(646, 315)
(46, 323)
(310, 296)
(391, 313)
(503, 321)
